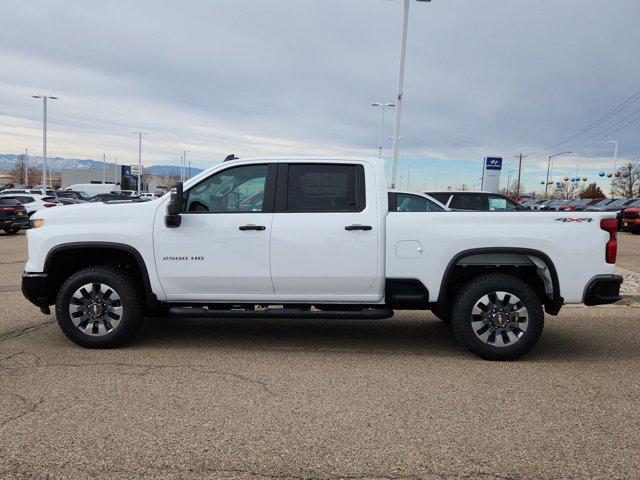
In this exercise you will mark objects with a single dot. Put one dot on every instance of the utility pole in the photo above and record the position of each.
(546, 185)
(44, 139)
(520, 157)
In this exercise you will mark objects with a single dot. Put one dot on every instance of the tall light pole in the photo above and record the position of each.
(384, 108)
(546, 185)
(44, 138)
(104, 169)
(403, 55)
(140, 133)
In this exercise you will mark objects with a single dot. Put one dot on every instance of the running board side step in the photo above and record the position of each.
(200, 312)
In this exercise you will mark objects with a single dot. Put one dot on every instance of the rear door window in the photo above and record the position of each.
(325, 188)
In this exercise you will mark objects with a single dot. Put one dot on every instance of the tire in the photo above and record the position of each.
(118, 314)
(485, 321)
(442, 311)
(11, 231)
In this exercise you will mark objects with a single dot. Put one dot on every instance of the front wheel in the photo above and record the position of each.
(497, 317)
(99, 307)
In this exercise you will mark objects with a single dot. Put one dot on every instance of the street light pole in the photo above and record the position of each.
(384, 107)
(140, 133)
(104, 169)
(546, 185)
(403, 55)
(44, 139)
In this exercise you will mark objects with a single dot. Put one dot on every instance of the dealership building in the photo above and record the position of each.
(150, 183)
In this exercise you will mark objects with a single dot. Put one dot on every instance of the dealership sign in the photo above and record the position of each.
(136, 170)
(491, 174)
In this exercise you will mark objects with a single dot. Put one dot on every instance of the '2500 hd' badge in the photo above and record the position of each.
(183, 259)
(575, 220)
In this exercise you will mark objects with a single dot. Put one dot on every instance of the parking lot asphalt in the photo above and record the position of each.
(629, 252)
(294, 399)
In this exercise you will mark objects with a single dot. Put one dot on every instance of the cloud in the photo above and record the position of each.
(298, 77)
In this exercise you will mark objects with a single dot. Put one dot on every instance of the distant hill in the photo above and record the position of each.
(8, 161)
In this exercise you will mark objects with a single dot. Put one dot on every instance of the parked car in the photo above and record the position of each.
(476, 201)
(401, 201)
(113, 198)
(13, 215)
(322, 243)
(630, 219)
(72, 194)
(92, 189)
(70, 201)
(614, 205)
(32, 202)
(128, 192)
(37, 191)
(146, 196)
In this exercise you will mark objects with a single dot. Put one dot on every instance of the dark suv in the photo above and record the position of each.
(13, 215)
(477, 201)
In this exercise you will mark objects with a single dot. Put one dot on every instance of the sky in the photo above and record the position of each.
(297, 77)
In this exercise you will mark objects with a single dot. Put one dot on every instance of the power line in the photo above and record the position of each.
(612, 132)
(633, 98)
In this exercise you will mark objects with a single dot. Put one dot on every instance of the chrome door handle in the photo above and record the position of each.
(258, 228)
(364, 228)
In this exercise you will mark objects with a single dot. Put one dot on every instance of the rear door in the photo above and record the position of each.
(325, 233)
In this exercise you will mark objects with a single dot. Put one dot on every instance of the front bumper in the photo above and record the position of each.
(22, 222)
(602, 290)
(34, 288)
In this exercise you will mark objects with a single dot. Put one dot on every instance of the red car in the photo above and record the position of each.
(631, 220)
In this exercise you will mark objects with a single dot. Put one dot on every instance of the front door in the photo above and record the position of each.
(325, 233)
(221, 249)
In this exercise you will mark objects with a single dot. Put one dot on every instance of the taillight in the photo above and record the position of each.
(611, 250)
(7, 208)
(48, 205)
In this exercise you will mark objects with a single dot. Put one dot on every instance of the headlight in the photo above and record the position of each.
(36, 223)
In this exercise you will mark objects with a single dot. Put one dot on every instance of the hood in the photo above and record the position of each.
(114, 212)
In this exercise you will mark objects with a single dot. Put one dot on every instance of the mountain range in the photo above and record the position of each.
(57, 164)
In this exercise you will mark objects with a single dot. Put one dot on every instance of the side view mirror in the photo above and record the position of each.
(173, 219)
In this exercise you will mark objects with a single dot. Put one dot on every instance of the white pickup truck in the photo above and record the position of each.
(315, 238)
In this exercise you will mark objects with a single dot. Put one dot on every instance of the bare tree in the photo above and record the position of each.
(168, 181)
(626, 182)
(17, 173)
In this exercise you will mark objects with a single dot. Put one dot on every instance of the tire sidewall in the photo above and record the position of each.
(482, 286)
(119, 283)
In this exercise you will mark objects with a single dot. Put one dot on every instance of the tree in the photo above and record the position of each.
(168, 181)
(17, 173)
(592, 191)
(626, 182)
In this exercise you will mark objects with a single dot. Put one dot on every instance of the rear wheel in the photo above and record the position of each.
(12, 230)
(497, 317)
(99, 307)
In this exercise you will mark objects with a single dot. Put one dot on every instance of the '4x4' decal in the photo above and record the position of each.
(577, 220)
